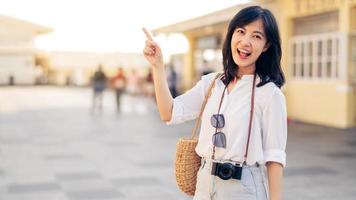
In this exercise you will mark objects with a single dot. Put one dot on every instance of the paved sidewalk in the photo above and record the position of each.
(51, 147)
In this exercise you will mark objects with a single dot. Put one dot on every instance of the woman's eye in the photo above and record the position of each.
(239, 31)
(257, 36)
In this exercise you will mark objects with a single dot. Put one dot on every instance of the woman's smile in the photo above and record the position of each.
(243, 54)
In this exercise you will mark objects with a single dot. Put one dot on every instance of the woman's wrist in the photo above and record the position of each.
(159, 68)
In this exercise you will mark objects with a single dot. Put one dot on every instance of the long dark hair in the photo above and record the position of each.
(268, 66)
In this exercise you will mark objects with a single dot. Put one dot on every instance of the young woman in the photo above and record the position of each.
(244, 124)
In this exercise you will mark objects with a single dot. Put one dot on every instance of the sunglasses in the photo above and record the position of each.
(219, 138)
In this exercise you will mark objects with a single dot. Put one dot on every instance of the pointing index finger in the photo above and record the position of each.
(148, 34)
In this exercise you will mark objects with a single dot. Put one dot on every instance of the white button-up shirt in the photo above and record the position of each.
(269, 125)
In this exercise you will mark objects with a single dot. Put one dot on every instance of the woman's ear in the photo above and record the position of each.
(265, 48)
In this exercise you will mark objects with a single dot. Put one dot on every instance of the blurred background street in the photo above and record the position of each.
(52, 147)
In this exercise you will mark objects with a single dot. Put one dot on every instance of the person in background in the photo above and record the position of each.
(149, 87)
(99, 85)
(172, 81)
(206, 69)
(119, 84)
(133, 83)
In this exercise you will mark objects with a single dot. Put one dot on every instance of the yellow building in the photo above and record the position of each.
(319, 55)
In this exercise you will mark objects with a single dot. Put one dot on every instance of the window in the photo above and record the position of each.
(315, 56)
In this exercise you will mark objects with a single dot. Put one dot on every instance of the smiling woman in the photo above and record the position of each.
(248, 92)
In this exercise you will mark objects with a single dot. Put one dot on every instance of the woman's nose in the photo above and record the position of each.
(245, 41)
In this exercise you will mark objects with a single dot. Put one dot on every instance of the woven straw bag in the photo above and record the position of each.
(187, 161)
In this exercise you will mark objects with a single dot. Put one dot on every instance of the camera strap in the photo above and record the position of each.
(250, 120)
(251, 116)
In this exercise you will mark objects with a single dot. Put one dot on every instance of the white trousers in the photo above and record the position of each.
(252, 185)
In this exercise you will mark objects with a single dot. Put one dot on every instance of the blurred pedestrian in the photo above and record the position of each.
(244, 124)
(119, 85)
(133, 83)
(205, 68)
(172, 80)
(149, 87)
(99, 85)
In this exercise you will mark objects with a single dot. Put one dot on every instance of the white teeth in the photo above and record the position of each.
(243, 51)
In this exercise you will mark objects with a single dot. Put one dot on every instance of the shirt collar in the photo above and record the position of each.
(247, 78)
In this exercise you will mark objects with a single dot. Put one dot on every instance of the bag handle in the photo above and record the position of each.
(198, 121)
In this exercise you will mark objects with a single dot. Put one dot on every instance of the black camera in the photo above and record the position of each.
(226, 171)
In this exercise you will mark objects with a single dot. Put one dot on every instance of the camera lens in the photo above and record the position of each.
(226, 171)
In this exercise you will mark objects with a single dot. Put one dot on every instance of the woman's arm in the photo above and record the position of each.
(163, 95)
(153, 54)
(275, 179)
(274, 140)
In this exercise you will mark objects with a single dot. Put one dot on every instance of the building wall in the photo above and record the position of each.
(353, 58)
(323, 103)
(353, 55)
(16, 42)
(326, 22)
(19, 66)
(326, 100)
(17, 53)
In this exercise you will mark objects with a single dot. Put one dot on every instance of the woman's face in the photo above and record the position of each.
(247, 44)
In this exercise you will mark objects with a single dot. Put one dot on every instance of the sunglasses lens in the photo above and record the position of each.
(217, 121)
(219, 139)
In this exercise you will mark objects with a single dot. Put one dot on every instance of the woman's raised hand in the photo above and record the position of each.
(164, 99)
(152, 51)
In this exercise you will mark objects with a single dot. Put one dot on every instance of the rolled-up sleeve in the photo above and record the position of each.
(187, 106)
(274, 128)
